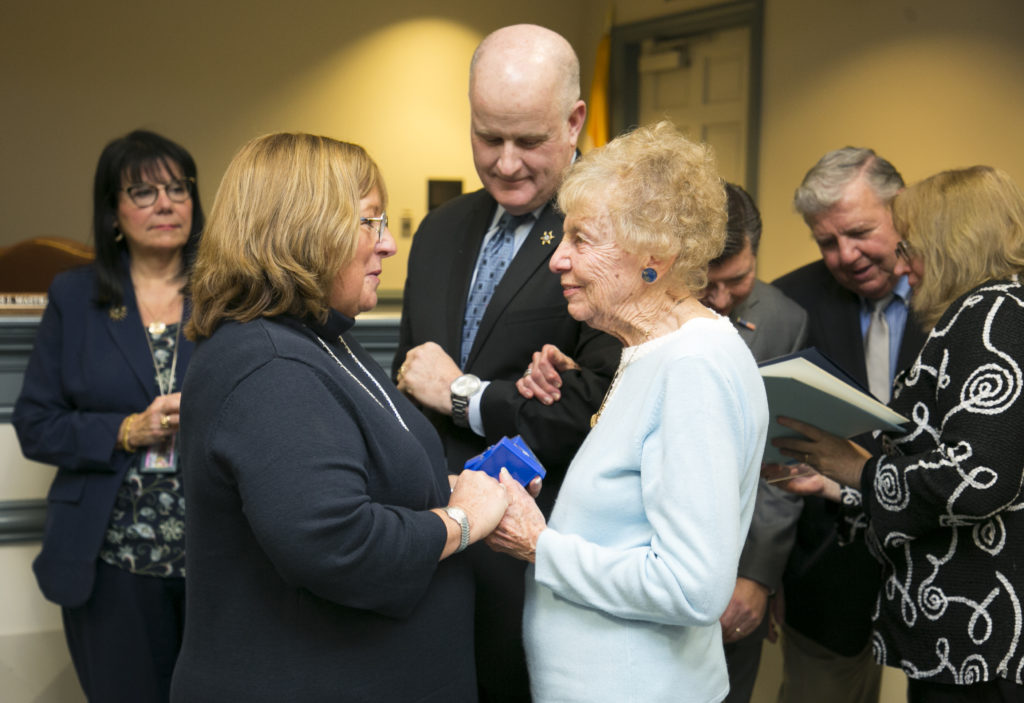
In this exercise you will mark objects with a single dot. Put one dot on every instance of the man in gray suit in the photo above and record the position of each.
(772, 325)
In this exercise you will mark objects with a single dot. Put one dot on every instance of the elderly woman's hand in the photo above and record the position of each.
(543, 379)
(519, 530)
(834, 457)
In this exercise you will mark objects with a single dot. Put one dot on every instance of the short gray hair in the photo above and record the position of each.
(824, 184)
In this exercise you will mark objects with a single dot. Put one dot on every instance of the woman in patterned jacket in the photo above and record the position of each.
(942, 508)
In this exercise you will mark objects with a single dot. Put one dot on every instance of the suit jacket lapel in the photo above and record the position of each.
(129, 336)
(533, 254)
(848, 349)
(471, 234)
(745, 311)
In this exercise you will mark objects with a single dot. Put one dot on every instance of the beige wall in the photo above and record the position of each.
(390, 75)
(34, 662)
(929, 84)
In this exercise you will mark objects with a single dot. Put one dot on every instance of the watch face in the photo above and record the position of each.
(465, 386)
(458, 513)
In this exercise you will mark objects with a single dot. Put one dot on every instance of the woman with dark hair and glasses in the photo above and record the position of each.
(100, 401)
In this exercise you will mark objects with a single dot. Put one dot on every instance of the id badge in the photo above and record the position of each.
(161, 458)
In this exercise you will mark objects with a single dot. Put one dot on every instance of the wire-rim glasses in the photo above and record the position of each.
(904, 251)
(377, 225)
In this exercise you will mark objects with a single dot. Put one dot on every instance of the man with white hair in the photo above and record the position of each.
(852, 297)
(479, 300)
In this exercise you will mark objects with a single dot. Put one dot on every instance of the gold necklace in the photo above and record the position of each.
(611, 387)
(622, 366)
(156, 327)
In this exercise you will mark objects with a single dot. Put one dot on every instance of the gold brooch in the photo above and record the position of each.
(118, 313)
(547, 237)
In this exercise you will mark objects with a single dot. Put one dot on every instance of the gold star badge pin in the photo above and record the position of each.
(547, 237)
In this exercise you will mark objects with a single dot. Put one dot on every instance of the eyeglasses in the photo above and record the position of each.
(145, 194)
(376, 224)
(903, 251)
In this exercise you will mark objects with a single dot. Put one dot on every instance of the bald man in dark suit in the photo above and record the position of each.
(526, 118)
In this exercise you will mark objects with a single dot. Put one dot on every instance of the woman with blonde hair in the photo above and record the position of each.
(638, 562)
(320, 559)
(942, 506)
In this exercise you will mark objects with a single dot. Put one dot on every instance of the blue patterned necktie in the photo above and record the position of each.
(495, 259)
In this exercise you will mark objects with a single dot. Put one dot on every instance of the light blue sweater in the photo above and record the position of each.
(639, 560)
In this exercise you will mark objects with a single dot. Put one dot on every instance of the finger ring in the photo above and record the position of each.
(165, 421)
(527, 372)
(739, 630)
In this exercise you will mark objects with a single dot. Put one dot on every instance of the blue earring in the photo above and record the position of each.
(649, 275)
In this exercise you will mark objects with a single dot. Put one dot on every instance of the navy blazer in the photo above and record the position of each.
(87, 372)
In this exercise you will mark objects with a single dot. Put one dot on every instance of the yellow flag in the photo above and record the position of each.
(598, 124)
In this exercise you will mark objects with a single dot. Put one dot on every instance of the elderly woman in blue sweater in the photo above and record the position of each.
(638, 561)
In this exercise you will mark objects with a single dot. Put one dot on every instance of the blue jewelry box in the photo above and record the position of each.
(512, 454)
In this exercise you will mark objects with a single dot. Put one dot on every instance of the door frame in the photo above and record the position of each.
(625, 55)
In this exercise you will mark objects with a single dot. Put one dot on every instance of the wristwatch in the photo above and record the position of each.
(459, 515)
(462, 389)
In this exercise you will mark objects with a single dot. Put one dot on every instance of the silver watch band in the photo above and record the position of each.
(459, 515)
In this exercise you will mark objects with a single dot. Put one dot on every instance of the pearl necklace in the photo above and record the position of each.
(368, 374)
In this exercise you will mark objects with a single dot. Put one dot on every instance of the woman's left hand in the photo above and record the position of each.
(520, 528)
(835, 457)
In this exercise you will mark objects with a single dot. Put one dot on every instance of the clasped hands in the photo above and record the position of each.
(508, 520)
(426, 375)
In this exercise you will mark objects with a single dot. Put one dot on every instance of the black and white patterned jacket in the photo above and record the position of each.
(943, 509)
